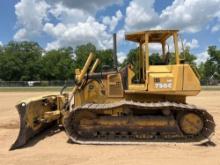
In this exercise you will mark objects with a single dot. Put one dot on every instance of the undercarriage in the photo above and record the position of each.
(128, 122)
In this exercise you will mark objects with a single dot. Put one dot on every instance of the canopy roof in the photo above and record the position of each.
(154, 35)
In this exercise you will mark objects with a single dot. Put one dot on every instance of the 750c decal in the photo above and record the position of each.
(164, 85)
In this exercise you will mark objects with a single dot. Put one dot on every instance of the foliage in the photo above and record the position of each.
(21, 61)
(188, 57)
(210, 69)
(105, 57)
(82, 52)
(58, 64)
(24, 61)
(132, 58)
(155, 59)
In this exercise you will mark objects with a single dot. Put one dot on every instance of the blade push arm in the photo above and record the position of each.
(80, 77)
(94, 66)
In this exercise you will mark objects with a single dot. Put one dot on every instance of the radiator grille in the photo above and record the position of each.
(115, 86)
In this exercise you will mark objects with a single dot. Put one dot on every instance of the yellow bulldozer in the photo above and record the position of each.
(131, 105)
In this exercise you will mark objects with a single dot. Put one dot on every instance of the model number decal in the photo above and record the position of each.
(167, 85)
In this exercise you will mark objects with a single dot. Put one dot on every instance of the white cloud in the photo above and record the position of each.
(187, 15)
(68, 15)
(30, 17)
(140, 14)
(215, 28)
(120, 36)
(202, 57)
(155, 48)
(193, 44)
(75, 25)
(121, 56)
(91, 6)
(22, 34)
(1, 44)
(112, 21)
(80, 33)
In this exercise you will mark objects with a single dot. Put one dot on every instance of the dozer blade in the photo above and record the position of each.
(31, 114)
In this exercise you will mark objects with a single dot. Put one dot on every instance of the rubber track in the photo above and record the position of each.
(205, 135)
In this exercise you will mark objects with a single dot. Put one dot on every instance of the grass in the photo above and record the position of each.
(211, 87)
(33, 89)
(58, 88)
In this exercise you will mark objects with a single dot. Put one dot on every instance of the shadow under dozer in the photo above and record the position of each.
(44, 134)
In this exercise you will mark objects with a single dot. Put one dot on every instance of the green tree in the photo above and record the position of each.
(214, 54)
(105, 57)
(201, 69)
(188, 57)
(132, 58)
(211, 67)
(58, 64)
(1, 50)
(20, 61)
(82, 53)
(155, 59)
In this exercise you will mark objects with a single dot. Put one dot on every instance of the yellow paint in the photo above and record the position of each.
(160, 83)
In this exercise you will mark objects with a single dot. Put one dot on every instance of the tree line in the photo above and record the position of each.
(208, 70)
(24, 61)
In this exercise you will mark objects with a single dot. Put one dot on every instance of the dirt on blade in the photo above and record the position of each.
(51, 147)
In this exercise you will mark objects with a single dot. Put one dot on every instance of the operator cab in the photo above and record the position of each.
(163, 76)
(152, 43)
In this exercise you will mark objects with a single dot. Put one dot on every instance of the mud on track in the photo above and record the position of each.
(52, 146)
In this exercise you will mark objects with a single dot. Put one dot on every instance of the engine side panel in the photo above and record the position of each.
(173, 80)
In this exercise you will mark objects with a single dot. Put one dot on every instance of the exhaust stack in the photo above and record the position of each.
(115, 60)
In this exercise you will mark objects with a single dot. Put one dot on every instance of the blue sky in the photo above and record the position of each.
(59, 23)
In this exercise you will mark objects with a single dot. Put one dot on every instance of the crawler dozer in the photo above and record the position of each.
(131, 105)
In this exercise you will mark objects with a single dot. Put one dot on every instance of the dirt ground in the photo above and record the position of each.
(53, 148)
